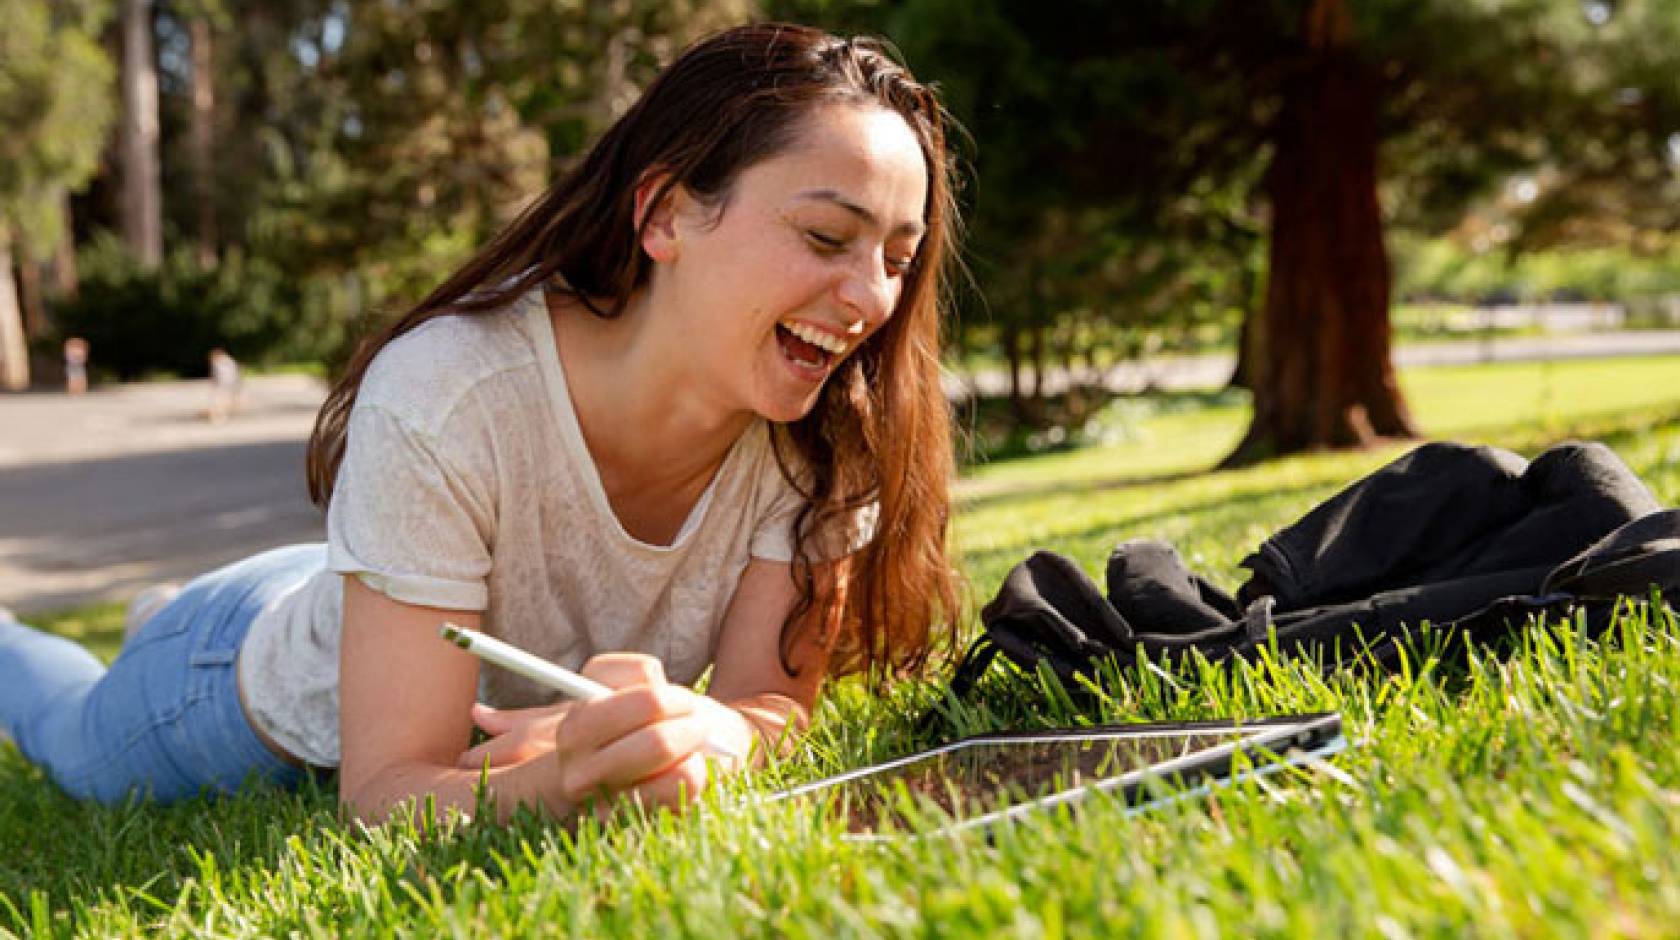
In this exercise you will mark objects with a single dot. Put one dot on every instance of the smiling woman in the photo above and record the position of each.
(684, 412)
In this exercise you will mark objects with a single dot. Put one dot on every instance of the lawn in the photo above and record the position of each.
(1533, 796)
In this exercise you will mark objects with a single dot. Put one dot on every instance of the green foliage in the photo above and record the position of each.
(1121, 150)
(1532, 795)
(1103, 206)
(140, 322)
(1441, 268)
(55, 105)
(365, 150)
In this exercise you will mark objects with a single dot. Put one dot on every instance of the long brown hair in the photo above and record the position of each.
(881, 429)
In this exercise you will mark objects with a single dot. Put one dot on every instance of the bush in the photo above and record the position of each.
(142, 322)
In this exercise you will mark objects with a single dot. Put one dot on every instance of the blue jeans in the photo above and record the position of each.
(164, 720)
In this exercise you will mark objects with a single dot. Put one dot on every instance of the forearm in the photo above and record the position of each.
(410, 787)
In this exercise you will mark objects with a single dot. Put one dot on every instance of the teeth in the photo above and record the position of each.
(810, 334)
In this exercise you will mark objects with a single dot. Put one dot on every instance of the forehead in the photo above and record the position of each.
(858, 154)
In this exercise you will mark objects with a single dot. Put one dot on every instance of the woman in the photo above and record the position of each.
(685, 411)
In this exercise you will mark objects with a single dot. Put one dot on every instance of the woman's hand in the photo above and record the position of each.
(649, 740)
(516, 734)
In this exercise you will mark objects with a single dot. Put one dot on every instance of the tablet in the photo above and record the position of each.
(992, 778)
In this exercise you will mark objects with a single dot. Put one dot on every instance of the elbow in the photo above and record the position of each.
(363, 792)
(356, 801)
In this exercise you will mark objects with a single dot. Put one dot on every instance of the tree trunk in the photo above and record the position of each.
(203, 139)
(1012, 355)
(1244, 369)
(615, 93)
(30, 296)
(1035, 355)
(14, 353)
(65, 284)
(142, 196)
(1320, 371)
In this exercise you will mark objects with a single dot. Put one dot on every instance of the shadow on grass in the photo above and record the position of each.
(994, 430)
(261, 849)
(1615, 428)
(1139, 526)
(1011, 492)
(150, 861)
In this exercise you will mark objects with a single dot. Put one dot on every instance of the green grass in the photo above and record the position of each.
(1537, 795)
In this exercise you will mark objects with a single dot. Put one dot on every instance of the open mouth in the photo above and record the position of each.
(800, 351)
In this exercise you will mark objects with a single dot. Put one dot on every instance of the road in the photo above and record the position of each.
(105, 493)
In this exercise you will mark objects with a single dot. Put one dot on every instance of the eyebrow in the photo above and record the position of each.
(828, 195)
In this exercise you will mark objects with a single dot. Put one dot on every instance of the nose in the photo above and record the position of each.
(869, 292)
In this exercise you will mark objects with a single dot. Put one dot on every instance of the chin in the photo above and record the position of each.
(787, 410)
(785, 414)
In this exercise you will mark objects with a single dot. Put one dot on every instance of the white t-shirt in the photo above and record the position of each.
(466, 484)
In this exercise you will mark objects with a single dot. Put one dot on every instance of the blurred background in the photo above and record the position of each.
(1260, 208)
(1263, 195)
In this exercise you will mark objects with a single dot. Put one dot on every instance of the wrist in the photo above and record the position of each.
(534, 782)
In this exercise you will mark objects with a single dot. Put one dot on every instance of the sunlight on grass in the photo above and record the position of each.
(1531, 794)
(1158, 485)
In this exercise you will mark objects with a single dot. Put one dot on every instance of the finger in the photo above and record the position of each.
(502, 751)
(635, 757)
(590, 726)
(621, 670)
(677, 787)
(503, 720)
(474, 758)
(491, 720)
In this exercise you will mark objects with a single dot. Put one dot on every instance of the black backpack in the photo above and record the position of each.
(1470, 540)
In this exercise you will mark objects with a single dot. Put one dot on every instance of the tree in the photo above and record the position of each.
(201, 30)
(53, 104)
(1107, 201)
(1338, 119)
(142, 191)
(411, 132)
(1321, 373)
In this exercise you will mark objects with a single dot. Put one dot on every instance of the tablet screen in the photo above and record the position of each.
(977, 777)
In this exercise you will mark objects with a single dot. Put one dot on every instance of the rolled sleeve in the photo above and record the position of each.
(407, 518)
(843, 535)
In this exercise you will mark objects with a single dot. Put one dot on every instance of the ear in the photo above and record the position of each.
(657, 220)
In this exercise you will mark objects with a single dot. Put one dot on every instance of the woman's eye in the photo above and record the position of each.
(897, 266)
(825, 241)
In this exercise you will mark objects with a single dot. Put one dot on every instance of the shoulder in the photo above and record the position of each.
(425, 375)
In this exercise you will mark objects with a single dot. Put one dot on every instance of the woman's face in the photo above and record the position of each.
(806, 261)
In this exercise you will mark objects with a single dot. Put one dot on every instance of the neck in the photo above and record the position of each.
(646, 419)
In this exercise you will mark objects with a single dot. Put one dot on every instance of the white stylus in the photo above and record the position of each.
(514, 659)
(539, 670)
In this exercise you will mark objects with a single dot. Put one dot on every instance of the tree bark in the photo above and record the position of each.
(1012, 354)
(1242, 372)
(30, 296)
(203, 138)
(14, 352)
(1320, 370)
(142, 194)
(65, 283)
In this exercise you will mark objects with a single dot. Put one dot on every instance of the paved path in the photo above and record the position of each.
(103, 494)
(1212, 371)
(127, 485)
